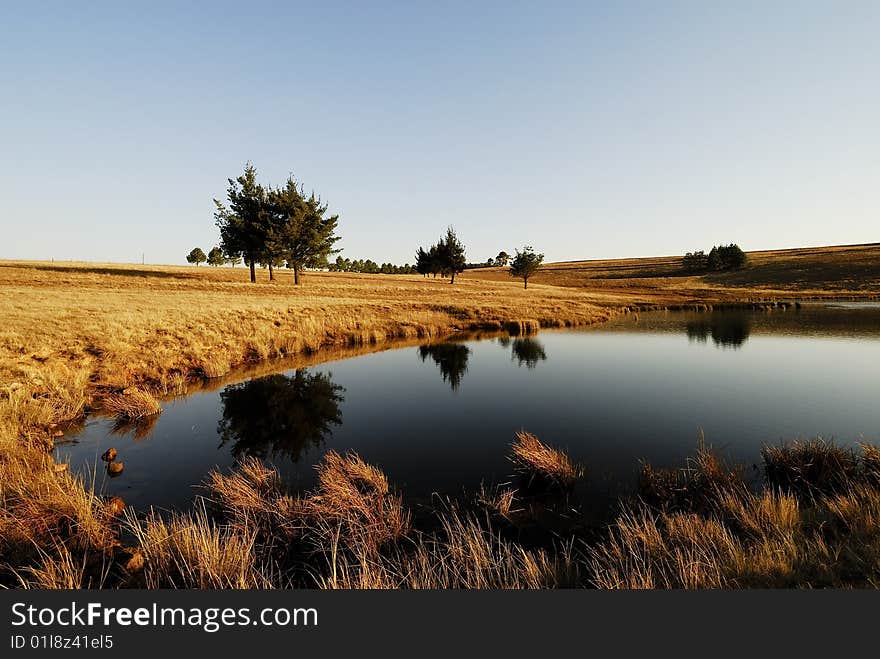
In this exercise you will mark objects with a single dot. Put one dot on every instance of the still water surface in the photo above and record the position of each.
(440, 417)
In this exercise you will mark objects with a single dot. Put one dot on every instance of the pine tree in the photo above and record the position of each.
(244, 224)
(299, 231)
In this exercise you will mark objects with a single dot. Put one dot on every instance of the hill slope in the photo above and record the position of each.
(847, 270)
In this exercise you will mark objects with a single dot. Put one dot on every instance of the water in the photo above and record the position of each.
(439, 418)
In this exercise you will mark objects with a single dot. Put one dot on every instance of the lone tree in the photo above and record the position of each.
(299, 231)
(525, 264)
(232, 260)
(196, 256)
(244, 224)
(450, 254)
(502, 259)
(215, 257)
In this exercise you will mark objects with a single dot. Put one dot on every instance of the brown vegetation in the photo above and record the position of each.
(538, 462)
(75, 335)
(815, 272)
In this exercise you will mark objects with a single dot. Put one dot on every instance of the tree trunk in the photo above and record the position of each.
(452, 281)
(253, 271)
(525, 283)
(295, 276)
(271, 273)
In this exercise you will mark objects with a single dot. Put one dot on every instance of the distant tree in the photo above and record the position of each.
(244, 224)
(232, 260)
(525, 264)
(490, 262)
(695, 261)
(304, 236)
(423, 264)
(451, 254)
(726, 257)
(196, 256)
(215, 257)
(435, 261)
(502, 259)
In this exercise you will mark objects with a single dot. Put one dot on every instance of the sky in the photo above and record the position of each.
(588, 130)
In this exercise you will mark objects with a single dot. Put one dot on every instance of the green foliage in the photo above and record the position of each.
(726, 257)
(245, 223)
(720, 257)
(369, 267)
(525, 264)
(451, 254)
(300, 233)
(196, 256)
(215, 257)
(274, 227)
(695, 261)
(447, 257)
(502, 259)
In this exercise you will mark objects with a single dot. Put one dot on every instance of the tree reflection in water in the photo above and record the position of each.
(452, 358)
(528, 352)
(728, 330)
(279, 414)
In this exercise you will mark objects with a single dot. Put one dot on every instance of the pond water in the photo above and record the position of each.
(440, 417)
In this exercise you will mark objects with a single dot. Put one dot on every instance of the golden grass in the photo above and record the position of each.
(75, 335)
(811, 466)
(355, 500)
(132, 404)
(539, 462)
(814, 272)
(191, 551)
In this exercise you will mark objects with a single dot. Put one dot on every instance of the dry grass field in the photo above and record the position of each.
(820, 272)
(79, 336)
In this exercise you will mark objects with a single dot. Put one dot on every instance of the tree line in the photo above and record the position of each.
(285, 227)
(369, 267)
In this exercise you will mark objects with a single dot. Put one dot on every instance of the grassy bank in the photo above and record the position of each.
(79, 337)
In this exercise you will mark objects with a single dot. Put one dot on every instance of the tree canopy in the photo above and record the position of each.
(300, 233)
(446, 257)
(274, 226)
(244, 223)
(216, 257)
(196, 256)
(525, 264)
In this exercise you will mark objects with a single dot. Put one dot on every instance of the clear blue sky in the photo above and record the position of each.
(588, 130)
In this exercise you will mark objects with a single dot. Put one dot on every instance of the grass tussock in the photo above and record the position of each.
(132, 405)
(540, 463)
(814, 523)
(355, 498)
(192, 551)
(695, 486)
(812, 466)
